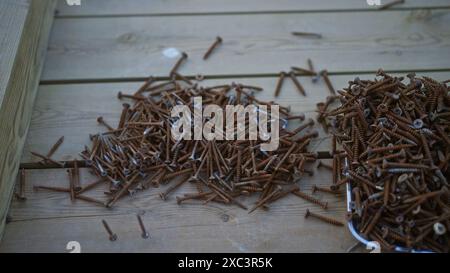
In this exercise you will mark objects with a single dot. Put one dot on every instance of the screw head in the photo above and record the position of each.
(399, 219)
(314, 133)
(418, 124)
(308, 213)
(439, 229)
(145, 235)
(113, 237)
(402, 178)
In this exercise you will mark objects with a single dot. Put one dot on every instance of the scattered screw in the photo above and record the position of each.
(144, 234)
(183, 57)
(323, 218)
(390, 4)
(279, 83)
(212, 47)
(112, 236)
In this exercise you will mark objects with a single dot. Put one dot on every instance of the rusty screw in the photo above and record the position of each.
(183, 57)
(280, 83)
(311, 199)
(297, 83)
(112, 235)
(144, 234)
(323, 218)
(324, 74)
(211, 48)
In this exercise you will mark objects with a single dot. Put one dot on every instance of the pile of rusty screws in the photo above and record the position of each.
(394, 141)
(140, 153)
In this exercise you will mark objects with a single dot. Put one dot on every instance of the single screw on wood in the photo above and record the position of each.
(280, 83)
(212, 47)
(194, 196)
(304, 71)
(103, 122)
(299, 116)
(297, 83)
(144, 234)
(311, 199)
(308, 123)
(390, 4)
(56, 189)
(112, 235)
(54, 148)
(323, 218)
(316, 188)
(121, 95)
(62, 165)
(76, 177)
(184, 56)
(307, 34)
(324, 74)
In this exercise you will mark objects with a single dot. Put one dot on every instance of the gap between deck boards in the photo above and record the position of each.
(237, 76)
(244, 12)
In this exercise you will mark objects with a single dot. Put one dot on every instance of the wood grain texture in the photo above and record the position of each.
(72, 109)
(20, 92)
(261, 44)
(159, 7)
(190, 227)
(12, 19)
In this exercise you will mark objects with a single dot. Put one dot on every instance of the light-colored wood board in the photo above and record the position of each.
(129, 47)
(158, 7)
(71, 110)
(180, 233)
(19, 87)
(49, 220)
(12, 20)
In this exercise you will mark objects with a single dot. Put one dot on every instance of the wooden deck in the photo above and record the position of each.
(104, 47)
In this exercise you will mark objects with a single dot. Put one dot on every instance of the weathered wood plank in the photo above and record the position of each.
(129, 47)
(24, 32)
(72, 109)
(41, 204)
(186, 228)
(179, 232)
(158, 7)
(12, 17)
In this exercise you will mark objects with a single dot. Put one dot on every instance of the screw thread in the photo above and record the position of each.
(311, 199)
